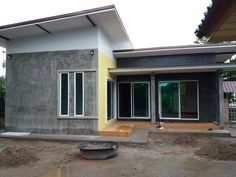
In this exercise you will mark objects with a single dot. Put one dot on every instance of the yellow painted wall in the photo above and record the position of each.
(104, 62)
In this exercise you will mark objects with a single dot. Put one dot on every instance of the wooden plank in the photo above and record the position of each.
(191, 126)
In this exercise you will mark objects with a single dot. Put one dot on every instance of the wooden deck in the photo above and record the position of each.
(125, 128)
(191, 126)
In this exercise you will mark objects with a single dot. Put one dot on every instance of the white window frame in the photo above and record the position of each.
(68, 94)
(114, 99)
(78, 115)
(177, 118)
(131, 106)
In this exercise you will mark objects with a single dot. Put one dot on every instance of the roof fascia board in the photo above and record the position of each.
(217, 49)
(174, 68)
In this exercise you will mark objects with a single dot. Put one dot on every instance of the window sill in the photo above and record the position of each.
(77, 118)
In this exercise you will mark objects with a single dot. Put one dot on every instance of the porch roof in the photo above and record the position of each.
(223, 50)
(174, 69)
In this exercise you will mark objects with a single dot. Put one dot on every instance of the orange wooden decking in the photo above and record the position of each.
(191, 126)
(124, 128)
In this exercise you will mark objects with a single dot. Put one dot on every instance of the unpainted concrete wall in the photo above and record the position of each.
(31, 95)
(161, 61)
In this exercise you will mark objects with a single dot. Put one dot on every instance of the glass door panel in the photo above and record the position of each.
(110, 100)
(169, 99)
(140, 100)
(124, 100)
(189, 101)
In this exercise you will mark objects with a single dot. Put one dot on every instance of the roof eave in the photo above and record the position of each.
(174, 69)
(182, 50)
(58, 17)
(214, 17)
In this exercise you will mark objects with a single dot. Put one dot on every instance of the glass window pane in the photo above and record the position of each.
(124, 100)
(188, 97)
(110, 103)
(79, 93)
(140, 100)
(169, 99)
(64, 94)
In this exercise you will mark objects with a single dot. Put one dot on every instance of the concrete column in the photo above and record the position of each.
(153, 100)
(221, 100)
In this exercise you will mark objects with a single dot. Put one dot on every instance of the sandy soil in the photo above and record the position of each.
(164, 156)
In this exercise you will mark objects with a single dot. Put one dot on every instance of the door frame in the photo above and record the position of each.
(131, 101)
(178, 118)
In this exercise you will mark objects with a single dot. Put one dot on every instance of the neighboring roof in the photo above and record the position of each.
(174, 69)
(177, 50)
(107, 18)
(219, 22)
(229, 86)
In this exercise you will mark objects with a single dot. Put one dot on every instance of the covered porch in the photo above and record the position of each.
(179, 86)
(174, 94)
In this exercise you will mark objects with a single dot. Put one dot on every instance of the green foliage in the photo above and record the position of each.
(201, 41)
(2, 96)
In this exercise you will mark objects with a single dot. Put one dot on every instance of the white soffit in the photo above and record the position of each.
(111, 25)
(21, 32)
(70, 23)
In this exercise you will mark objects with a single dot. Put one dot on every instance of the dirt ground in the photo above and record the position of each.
(163, 156)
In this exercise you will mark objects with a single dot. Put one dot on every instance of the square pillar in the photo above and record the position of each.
(221, 99)
(153, 99)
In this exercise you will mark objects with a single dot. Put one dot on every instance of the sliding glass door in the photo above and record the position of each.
(140, 100)
(134, 100)
(169, 99)
(110, 99)
(178, 99)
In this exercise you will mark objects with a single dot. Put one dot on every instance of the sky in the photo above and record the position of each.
(149, 23)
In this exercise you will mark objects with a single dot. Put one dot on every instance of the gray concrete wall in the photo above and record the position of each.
(161, 61)
(31, 96)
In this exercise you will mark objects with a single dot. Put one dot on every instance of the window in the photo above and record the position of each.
(110, 100)
(64, 94)
(134, 100)
(78, 93)
(67, 96)
(178, 99)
